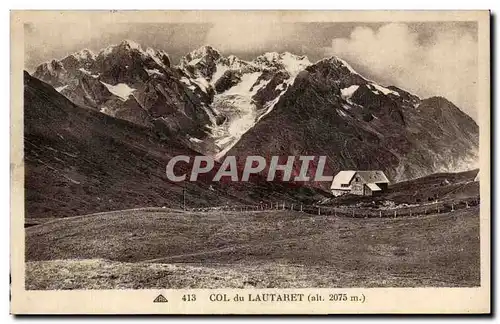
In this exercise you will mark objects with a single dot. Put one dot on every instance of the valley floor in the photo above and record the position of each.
(141, 249)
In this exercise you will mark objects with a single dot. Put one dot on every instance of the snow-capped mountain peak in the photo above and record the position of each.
(130, 44)
(232, 58)
(205, 53)
(84, 55)
(338, 60)
(292, 63)
(125, 45)
(53, 65)
(159, 56)
(269, 56)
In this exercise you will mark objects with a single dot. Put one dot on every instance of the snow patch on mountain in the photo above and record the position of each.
(194, 139)
(223, 141)
(194, 61)
(244, 113)
(243, 116)
(294, 64)
(202, 84)
(341, 113)
(268, 107)
(384, 90)
(59, 89)
(346, 93)
(244, 86)
(95, 76)
(153, 71)
(219, 72)
(122, 90)
(245, 119)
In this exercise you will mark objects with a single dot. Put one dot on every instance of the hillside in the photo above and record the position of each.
(450, 187)
(264, 249)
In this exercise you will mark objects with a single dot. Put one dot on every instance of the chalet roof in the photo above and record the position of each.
(373, 176)
(373, 187)
(345, 177)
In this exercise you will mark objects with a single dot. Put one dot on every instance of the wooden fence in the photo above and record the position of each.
(438, 207)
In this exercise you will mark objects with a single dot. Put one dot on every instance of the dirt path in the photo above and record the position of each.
(226, 249)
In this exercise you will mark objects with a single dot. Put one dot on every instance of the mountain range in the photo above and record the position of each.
(276, 104)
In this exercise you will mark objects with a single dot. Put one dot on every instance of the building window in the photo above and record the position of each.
(344, 185)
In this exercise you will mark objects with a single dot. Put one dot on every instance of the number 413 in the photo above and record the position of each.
(189, 297)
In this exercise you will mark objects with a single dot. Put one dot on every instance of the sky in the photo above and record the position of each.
(426, 58)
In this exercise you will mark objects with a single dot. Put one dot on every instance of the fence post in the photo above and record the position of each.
(410, 212)
(300, 207)
(319, 211)
(438, 209)
(452, 207)
(380, 213)
(183, 198)
(291, 207)
(283, 205)
(466, 204)
(395, 214)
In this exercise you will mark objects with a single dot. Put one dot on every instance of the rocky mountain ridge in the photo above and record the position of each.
(217, 104)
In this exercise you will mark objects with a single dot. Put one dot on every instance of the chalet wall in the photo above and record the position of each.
(357, 188)
(367, 191)
(337, 192)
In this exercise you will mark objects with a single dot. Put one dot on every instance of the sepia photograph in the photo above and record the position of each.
(252, 152)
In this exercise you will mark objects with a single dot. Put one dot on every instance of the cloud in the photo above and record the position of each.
(444, 63)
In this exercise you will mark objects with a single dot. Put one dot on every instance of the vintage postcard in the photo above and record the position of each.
(250, 162)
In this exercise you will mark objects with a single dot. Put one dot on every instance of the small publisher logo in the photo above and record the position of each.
(160, 299)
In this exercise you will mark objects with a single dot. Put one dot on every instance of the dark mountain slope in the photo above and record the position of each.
(80, 161)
